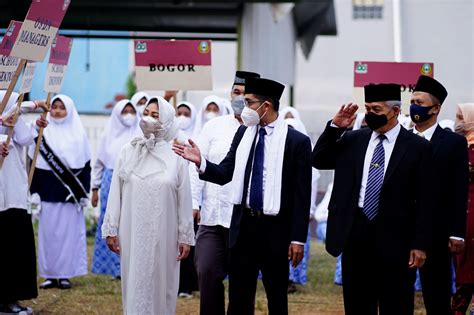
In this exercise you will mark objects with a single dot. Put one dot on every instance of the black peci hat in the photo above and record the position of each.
(241, 76)
(264, 87)
(382, 92)
(429, 85)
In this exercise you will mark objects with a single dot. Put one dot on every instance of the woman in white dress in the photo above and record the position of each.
(211, 107)
(62, 180)
(149, 219)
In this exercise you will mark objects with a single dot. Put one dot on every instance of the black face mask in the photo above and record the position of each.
(375, 121)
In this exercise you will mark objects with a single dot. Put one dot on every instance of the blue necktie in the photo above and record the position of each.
(256, 185)
(375, 180)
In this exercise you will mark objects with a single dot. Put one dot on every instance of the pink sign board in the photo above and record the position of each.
(374, 72)
(173, 64)
(58, 60)
(10, 37)
(39, 29)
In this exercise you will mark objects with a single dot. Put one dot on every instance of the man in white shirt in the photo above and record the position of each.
(450, 161)
(212, 240)
(380, 208)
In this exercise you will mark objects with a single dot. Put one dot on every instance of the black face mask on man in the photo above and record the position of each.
(375, 121)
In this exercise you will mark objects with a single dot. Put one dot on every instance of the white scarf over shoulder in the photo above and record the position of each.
(274, 168)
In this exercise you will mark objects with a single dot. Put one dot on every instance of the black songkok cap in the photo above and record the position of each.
(382, 92)
(429, 85)
(241, 76)
(264, 87)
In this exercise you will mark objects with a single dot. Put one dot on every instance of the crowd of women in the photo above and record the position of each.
(150, 201)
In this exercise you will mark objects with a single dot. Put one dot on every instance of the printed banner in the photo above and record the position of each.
(39, 29)
(173, 65)
(27, 80)
(404, 73)
(58, 59)
(8, 64)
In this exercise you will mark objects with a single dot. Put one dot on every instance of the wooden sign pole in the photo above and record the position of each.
(38, 142)
(9, 91)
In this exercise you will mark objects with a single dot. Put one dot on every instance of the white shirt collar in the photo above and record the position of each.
(428, 133)
(391, 135)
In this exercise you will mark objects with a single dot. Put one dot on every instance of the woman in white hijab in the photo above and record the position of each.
(62, 181)
(139, 100)
(186, 118)
(121, 128)
(149, 219)
(291, 112)
(211, 107)
(17, 242)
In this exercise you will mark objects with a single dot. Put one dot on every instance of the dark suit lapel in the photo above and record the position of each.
(437, 139)
(397, 154)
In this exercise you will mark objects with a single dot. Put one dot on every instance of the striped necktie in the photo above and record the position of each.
(375, 180)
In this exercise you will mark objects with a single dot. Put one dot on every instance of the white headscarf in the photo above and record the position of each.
(201, 119)
(189, 131)
(68, 140)
(146, 151)
(8, 108)
(296, 115)
(226, 106)
(136, 98)
(116, 134)
(358, 121)
(296, 124)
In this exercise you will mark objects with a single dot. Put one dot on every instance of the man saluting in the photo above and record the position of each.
(379, 213)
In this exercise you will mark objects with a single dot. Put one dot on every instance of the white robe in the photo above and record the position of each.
(151, 212)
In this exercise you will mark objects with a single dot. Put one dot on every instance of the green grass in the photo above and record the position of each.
(93, 294)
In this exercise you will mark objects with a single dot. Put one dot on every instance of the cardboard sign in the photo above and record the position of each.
(39, 29)
(58, 59)
(173, 65)
(8, 64)
(27, 80)
(404, 73)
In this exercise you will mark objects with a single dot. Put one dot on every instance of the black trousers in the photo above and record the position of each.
(212, 260)
(258, 247)
(436, 279)
(18, 257)
(187, 272)
(373, 282)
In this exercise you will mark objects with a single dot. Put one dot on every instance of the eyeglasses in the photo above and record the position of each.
(249, 103)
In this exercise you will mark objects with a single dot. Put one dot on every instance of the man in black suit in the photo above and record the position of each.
(450, 161)
(265, 232)
(379, 212)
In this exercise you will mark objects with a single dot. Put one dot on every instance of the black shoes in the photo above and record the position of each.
(64, 284)
(54, 283)
(14, 308)
(49, 284)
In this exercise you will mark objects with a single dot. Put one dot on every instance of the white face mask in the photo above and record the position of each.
(184, 122)
(238, 104)
(250, 116)
(128, 119)
(210, 115)
(150, 125)
(59, 120)
(140, 109)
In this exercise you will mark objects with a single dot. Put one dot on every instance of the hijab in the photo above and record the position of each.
(117, 134)
(201, 117)
(136, 98)
(465, 121)
(67, 139)
(296, 115)
(147, 155)
(190, 129)
(8, 108)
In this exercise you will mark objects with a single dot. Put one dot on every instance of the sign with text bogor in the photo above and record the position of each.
(58, 59)
(404, 73)
(8, 64)
(173, 64)
(39, 29)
